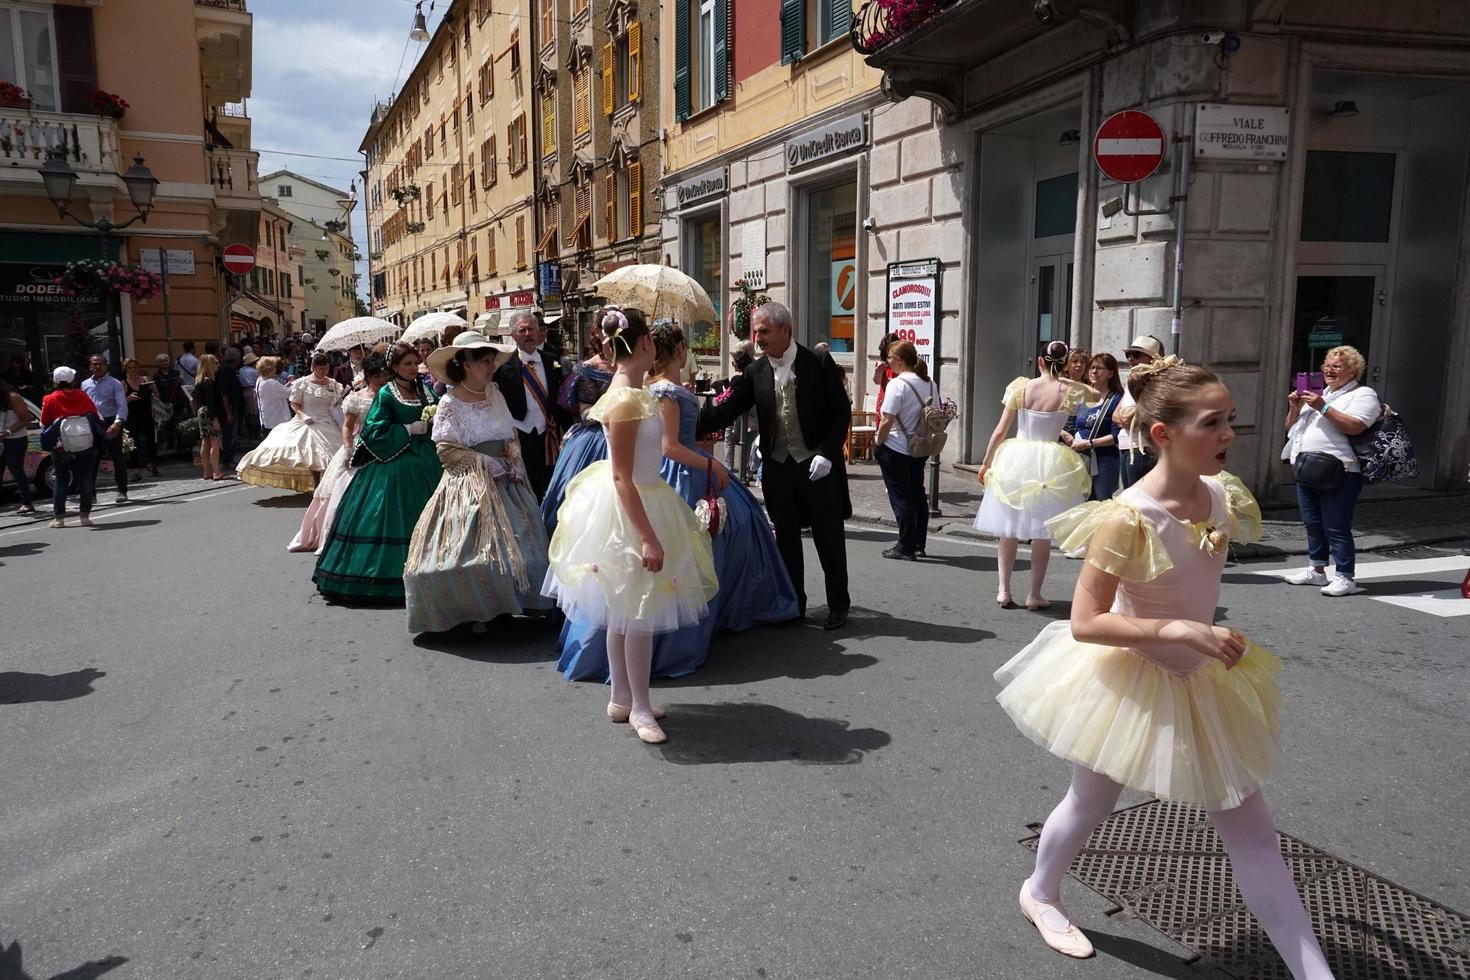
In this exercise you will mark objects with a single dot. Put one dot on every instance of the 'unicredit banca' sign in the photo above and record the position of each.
(834, 139)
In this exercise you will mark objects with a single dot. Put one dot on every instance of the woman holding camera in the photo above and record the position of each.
(1328, 478)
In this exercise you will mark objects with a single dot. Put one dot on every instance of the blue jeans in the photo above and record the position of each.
(1109, 467)
(81, 467)
(1328, 518)
(1133, 464)
(15, 461)
(903, 477)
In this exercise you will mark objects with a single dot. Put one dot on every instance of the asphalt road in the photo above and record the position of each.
(209, 772)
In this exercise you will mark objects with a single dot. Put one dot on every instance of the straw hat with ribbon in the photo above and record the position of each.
(469, 340)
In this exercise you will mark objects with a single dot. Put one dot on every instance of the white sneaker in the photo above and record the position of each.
(1342, 585)
(1308, 576)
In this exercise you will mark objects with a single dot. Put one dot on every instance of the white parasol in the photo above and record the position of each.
(658, 289)
(431, 326)
(364, 330)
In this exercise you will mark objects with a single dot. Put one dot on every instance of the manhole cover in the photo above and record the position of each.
(1163, 863)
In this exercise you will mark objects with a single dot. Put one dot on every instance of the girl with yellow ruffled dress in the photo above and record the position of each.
(628, 555)
(1032, 478)
(1141, 688)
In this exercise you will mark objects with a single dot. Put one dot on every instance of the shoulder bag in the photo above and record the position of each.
(1102, 413)
(1384, 451)
(709, 511)
(930, 437)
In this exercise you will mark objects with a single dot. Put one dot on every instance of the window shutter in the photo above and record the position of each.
(793, 30)
(635, 199)
(75, 57)
(720, 70)
(582, 110)
(610, 187)
(548, 124)
(520, 241)
(635, 61)
(682, 101)
(607, 79)
(839, 18)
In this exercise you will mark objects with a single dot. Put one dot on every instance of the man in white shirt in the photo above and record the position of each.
(1135, 460)
(530, 382)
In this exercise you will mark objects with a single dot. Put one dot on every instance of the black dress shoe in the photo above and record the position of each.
(836, 619)
(900, 555)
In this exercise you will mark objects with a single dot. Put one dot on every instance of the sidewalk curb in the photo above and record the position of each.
(42, 515)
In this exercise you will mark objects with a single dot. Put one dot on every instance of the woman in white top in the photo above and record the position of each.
(272, 398)
(15, 420)
(903, 471)
(296, 453)
(1321, 422)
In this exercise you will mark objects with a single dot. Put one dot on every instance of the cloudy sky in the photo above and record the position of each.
(320, 65)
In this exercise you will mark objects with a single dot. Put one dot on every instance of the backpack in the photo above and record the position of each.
(76, 434)
(930, 437)
(1384, 451)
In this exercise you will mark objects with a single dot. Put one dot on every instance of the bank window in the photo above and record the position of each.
(1056, 206)
(1347, 196)
(831, 266)
(28, 55)
(702, 254)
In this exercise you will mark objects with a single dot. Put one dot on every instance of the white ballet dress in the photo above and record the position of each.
(1033, 477)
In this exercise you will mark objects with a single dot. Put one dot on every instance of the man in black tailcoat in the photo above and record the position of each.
(803, 411)
(530, 382)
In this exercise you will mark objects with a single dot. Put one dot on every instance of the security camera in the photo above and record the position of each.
(869, 225)
(1212, 37)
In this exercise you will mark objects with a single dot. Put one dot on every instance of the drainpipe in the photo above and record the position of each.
(1182, 145)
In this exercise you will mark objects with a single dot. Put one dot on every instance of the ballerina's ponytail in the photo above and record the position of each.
(1054, 356)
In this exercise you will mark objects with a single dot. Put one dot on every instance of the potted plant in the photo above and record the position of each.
(108, 104)
(99, 276)
(741, 307)
(12, 96)
(335, 225)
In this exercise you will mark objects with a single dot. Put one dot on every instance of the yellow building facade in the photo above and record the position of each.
(184, 116)
(449, 185)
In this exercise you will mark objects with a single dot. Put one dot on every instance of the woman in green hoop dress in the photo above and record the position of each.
(397, 471)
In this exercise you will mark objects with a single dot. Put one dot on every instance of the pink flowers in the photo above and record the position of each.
(108, 104)
(99, 276)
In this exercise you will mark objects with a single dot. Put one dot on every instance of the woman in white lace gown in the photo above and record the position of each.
(297, 452)
(479, 549)
(318, 516)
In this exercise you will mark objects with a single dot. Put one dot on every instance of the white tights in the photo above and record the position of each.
(1040, 557)
(629, 660)
(1250, 839)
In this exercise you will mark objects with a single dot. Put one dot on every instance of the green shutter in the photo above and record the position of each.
(793, 30)
(721, 68)
(839, 18)
(682, 103)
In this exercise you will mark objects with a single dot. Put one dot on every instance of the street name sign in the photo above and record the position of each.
(1129, 146)
(180, 260)
(1241, 132)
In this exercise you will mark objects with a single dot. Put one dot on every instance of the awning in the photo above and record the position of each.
(577, 230)
(548, 241)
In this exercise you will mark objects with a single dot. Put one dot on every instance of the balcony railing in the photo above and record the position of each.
(222, 4)
(234, 173)
(88, 143)
(880, 22)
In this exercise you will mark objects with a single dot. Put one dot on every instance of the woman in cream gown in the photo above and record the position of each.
(297, 452)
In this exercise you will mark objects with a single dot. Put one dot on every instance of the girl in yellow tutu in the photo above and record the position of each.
(1033, 477)
(1141, 689)
(628, 555)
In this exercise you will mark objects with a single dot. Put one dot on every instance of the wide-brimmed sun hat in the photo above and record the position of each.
(1148, 346)
(469, 340)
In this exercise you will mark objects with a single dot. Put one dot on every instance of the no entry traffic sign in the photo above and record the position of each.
(238, 259)
(1129, 146)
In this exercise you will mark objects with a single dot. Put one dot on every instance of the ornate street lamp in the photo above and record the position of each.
(60, 182)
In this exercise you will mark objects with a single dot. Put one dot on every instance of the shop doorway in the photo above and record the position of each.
(1382, 201)
(828, 301)
(1051, 298)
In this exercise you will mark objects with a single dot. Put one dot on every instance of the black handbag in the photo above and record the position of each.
(1317, 471)
(1384, 450)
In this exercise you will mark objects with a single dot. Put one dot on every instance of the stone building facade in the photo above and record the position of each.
(1324, 200)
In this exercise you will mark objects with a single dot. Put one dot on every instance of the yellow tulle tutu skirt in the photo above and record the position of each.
(596, 571)
(1208, 737)
(1030, 482)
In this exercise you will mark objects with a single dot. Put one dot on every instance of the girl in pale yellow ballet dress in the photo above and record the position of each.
(1141, 689)
(628, 555)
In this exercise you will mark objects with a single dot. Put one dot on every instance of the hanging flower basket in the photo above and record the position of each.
(102, 278)
(108, 104)
(741, 307)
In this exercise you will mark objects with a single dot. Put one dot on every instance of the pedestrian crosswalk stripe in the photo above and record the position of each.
(1445, 603)
(1437, 602)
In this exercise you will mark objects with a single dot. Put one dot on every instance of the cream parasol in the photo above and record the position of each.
(363, 330)
(658, 290)
(431, 325)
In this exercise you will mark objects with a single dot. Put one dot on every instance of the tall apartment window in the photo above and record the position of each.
(286, 284)
(610, 203)
(429, 142)
(28, 55)
(701, 55)
(487, 81)
(469, 111)
(581, 95)
(548, 122)
(515, 52)
(487, 162)
(454, 120)
(515, 140)
(579, 7)
(548, 22)
(456, 181)
(429, 199)
(551, 218)
(581, 233)
(822, 21)
(520, 241)
(443, 137)
(471, 183)
(491, 264)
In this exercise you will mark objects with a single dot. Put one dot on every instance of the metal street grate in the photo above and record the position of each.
(1163, 863)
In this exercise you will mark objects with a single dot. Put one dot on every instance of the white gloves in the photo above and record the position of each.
(821, 466)
(417, 428)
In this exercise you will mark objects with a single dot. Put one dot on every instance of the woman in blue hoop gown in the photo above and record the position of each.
(585, 442)
(755, 587)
